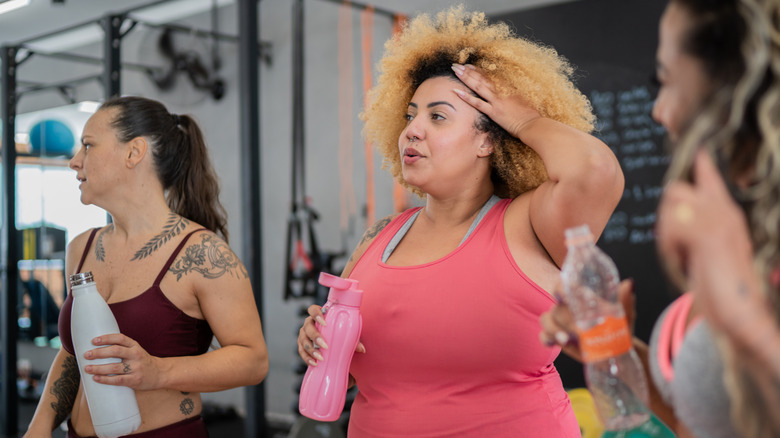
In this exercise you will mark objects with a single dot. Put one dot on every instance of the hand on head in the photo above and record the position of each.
(510, 112)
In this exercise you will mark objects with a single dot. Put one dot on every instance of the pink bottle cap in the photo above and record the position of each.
(342, 290)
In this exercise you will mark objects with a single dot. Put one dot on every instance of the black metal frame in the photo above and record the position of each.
(255, 424)
(251, 49)
(9, 417)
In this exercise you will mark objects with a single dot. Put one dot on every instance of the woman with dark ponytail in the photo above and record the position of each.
(166, 271)
(191, 184)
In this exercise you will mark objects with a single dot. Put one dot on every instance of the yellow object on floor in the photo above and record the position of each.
(585, 411)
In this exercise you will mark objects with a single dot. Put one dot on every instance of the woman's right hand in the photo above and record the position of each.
(558, 323)
(310, 339)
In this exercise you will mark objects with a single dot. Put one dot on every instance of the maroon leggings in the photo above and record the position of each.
(190, 428)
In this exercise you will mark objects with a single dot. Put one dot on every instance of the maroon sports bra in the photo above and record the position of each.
(150, 318)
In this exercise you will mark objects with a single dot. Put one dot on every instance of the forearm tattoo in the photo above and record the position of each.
(187, 405)
(64, 390)
(175, 225)
(212, 258)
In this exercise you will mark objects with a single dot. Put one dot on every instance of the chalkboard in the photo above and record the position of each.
(612, 45)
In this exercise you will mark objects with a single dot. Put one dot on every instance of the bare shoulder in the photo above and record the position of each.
(368, 236)
(75, 249)
(207, 255)
(80, 241)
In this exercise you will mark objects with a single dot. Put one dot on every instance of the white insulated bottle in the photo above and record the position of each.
(114, 409)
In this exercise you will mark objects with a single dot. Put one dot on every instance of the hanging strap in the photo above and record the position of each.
(400, 201)
(298, 164)
(367, 33)
(346, 96)
(302, 266)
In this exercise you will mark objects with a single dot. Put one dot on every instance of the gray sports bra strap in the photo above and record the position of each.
(408, 224)
(482, 212)
(399, 235)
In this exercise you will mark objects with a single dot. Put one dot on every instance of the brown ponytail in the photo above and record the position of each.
(180, 156)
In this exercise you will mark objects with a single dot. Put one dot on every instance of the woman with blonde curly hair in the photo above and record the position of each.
(719, 99)
(488, 129)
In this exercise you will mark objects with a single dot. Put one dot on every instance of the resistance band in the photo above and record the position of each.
(400, 201)
(346, 96)
(304, 260)
(367, 32)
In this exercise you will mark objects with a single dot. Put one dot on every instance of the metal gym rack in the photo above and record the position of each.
(250, 51)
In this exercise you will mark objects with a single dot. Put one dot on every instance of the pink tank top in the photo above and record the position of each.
(453, 345)
(152, 320)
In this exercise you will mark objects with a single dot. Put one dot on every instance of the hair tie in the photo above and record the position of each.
(176, 119)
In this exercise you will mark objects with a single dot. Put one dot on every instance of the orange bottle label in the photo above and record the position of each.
(609, 339)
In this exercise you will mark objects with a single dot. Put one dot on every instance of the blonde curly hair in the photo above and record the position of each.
(427, 47)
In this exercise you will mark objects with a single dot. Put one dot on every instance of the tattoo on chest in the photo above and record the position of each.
(175, 225)
(212, 258)
(100, 250)
(65, 389)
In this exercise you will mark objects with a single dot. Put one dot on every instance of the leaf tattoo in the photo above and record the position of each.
(175, 225)
(100, 250)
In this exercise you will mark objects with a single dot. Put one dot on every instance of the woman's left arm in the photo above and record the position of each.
(585, 180)
(225, 297)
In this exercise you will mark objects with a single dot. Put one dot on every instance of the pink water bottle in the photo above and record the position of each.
(324, 387)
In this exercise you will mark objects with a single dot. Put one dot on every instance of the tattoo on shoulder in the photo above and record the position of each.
(175, 225)
(370, 233)
(64, 390)
(375, 229)
(211, 258)
(100, 250)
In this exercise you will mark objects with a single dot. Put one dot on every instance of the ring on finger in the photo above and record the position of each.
(683, 212)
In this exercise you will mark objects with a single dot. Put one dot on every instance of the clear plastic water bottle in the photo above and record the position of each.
(613, 372)
(324, 387)
(114, 409)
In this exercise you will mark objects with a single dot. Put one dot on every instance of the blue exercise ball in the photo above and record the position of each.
(51, 138)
